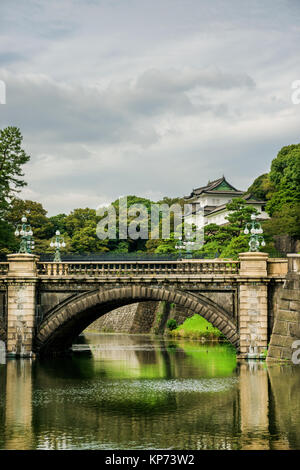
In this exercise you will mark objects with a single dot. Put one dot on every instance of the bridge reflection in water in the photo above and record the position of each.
(139, 392)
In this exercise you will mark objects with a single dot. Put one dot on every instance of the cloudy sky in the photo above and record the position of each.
(152, 98)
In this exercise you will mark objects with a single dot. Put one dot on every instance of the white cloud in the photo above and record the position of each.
(148, 98)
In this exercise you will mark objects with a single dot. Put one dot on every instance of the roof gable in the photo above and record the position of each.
(223, 186)
(219, 185)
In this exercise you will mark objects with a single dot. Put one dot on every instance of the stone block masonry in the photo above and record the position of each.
(132, 318)
(253, 305)
(286, 328)
(2, 317)
(142, 317)
(253, 319)
(46, 305)
(21, 305)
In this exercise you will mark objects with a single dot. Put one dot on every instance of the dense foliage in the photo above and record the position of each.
(280, 188)
(227, 241)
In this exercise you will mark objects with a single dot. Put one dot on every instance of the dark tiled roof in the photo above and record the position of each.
(224, 192)
(249, 197)
(246, 197)
(211, 186)
(206, 210)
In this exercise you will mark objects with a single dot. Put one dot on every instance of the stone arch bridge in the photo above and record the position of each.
(44, 305)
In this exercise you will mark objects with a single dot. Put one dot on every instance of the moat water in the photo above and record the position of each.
(140, 392)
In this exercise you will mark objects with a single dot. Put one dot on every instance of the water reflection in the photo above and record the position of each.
(17, 412)
(142, 392)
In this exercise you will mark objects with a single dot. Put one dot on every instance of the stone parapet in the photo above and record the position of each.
(277, 266)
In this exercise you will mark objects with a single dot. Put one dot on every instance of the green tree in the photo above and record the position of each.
(167, 245)
(229, 240)
(36, 215)
(284, 221)
(78, 219)
(85, 240)
(58, 222)
(285, 176)
(172, 200)
(284, 196)
(152, 244)
(8, 242)
(217, 234)
(236, 245)
(139, 244)
(12, 157)
(261, 188)
(239, 214)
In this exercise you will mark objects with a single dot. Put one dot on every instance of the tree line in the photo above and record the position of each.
(280, 188)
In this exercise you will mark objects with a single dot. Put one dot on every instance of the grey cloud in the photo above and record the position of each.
(182, 80)
(147, 97)
(83, 114)
(9, 57)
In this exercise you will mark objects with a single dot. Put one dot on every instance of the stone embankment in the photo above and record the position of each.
(143, 317)
(286, 330)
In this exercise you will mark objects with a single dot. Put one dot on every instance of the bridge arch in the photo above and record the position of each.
(66, 321)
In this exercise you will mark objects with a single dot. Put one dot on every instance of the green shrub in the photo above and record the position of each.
(171, 324)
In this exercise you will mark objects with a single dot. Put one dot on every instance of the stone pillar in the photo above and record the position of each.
(293, 263)
(253, 264)
(21, 292)
(253, 304)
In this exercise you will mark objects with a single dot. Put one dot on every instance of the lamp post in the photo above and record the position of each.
(256, 238)
(185, 245)
(58, 244)
(24, 230)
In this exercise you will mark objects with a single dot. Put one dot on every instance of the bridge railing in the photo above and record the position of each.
(3, 269)
(95, 269)
(277, 266)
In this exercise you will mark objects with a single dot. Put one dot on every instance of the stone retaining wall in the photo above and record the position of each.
(2, 332)
(143, 317)
(2, 317)
(152, 317)
(132, 318)
(274, 295)
(286, 244)
(286, 328)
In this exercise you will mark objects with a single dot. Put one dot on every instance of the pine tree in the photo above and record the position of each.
(12, 157)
